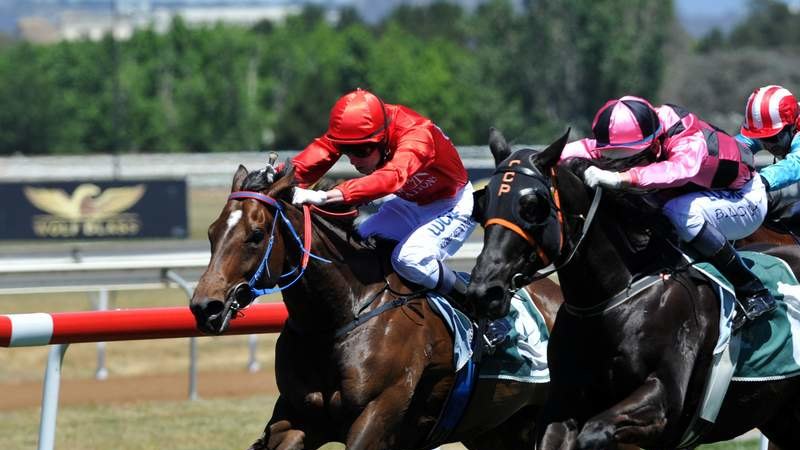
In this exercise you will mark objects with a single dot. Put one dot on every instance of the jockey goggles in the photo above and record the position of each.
(358, 150)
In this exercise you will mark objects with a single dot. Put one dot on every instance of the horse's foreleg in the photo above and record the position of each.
(559, 435)
(370, 431)
(640, 418)
(285, 432)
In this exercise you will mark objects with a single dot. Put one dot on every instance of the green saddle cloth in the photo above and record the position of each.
(770, 346)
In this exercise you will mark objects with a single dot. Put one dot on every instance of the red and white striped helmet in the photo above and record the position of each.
(769, 109)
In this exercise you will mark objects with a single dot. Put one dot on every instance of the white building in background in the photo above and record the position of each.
(129, 15)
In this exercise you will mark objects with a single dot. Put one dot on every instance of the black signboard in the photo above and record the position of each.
(93, 209)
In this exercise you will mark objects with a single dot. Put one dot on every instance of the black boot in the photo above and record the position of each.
(452, 286)
(753, 296)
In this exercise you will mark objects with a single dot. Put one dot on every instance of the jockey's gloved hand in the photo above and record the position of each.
(302, 196)
(594, 177)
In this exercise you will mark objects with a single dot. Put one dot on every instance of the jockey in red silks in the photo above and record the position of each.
(709, 176)
(771, 123)
(405, 154)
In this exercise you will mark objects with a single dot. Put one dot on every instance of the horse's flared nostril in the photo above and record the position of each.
(205, 310)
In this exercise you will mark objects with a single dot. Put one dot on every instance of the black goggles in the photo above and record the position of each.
(358, 150)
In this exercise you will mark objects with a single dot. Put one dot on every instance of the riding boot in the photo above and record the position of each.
(751, 293)
(451, 285)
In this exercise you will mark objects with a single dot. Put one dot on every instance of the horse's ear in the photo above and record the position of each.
(550, 156)
(283, 184)
(479, 205)
(498, 145)
(238, 178)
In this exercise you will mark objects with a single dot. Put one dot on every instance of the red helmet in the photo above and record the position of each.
(357, 118)
(625, 127)
(769, 109)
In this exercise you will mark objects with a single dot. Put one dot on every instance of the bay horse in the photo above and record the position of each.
(363, 358)
(621, 371)
(776, 232)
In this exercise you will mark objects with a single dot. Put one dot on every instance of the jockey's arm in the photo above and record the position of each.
(384, 181)
(316, 159)
(684, 160)
(786, 171)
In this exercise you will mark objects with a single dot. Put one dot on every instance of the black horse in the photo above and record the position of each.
(621, 371)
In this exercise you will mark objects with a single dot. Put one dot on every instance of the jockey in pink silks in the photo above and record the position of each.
(715, 193)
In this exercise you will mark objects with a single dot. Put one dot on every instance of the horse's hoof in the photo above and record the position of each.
(595, 440)
(258, 445)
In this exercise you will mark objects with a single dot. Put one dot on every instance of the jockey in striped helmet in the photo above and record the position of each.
(706, 177)
(771, 123)
(400, 152)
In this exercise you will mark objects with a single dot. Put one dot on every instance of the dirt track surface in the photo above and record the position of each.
(144, 388)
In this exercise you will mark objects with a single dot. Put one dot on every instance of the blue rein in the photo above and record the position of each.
(264, 266)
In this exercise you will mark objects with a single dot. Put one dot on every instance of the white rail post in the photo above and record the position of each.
(253, 365)
(764, 444)
(52, 384)
(101, 304)
(171, 275)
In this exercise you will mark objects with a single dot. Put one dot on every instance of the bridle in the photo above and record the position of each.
(519, 279)
(244, 293)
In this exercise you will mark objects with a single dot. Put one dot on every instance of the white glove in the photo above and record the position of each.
(594, 177)
(302, 196)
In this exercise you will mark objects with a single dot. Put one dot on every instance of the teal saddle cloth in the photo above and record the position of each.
(770, 346)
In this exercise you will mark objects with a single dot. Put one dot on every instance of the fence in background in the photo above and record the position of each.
(101, 275)
(61, 329)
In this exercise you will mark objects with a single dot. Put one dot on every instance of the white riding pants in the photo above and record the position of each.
(427, 235)
(735, 213)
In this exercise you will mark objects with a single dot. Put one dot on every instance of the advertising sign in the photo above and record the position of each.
(94, 209)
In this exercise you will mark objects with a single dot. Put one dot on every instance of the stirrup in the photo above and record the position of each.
(758, 304)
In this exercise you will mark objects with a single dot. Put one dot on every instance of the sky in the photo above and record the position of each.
(697, 16)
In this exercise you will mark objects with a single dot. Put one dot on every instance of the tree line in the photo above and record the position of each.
(529, 70)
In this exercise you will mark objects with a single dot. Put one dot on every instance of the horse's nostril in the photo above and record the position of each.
(207, 307)
(213, 308)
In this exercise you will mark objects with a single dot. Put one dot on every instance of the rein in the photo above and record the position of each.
(305, 245)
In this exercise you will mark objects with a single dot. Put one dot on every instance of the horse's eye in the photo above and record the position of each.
(256, 236)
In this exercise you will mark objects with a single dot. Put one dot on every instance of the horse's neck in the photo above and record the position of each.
(595, 274)
(329, 293)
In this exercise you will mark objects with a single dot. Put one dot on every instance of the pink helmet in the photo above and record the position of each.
(625, 127)
(357, 118)
(769, 109)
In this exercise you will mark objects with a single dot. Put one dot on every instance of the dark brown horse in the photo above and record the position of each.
(371, 381)
(627, 366)
(774, 233)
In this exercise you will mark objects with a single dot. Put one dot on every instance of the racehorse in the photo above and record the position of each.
(628, 361)
(363, 358)
(773, 232)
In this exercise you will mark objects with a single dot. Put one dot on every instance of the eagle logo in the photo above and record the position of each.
(87, 201)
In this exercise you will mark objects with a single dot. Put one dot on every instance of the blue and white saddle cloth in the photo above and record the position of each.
(521, 354)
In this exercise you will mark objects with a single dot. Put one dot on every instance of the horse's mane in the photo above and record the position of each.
(263, 180)
(632, 219)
